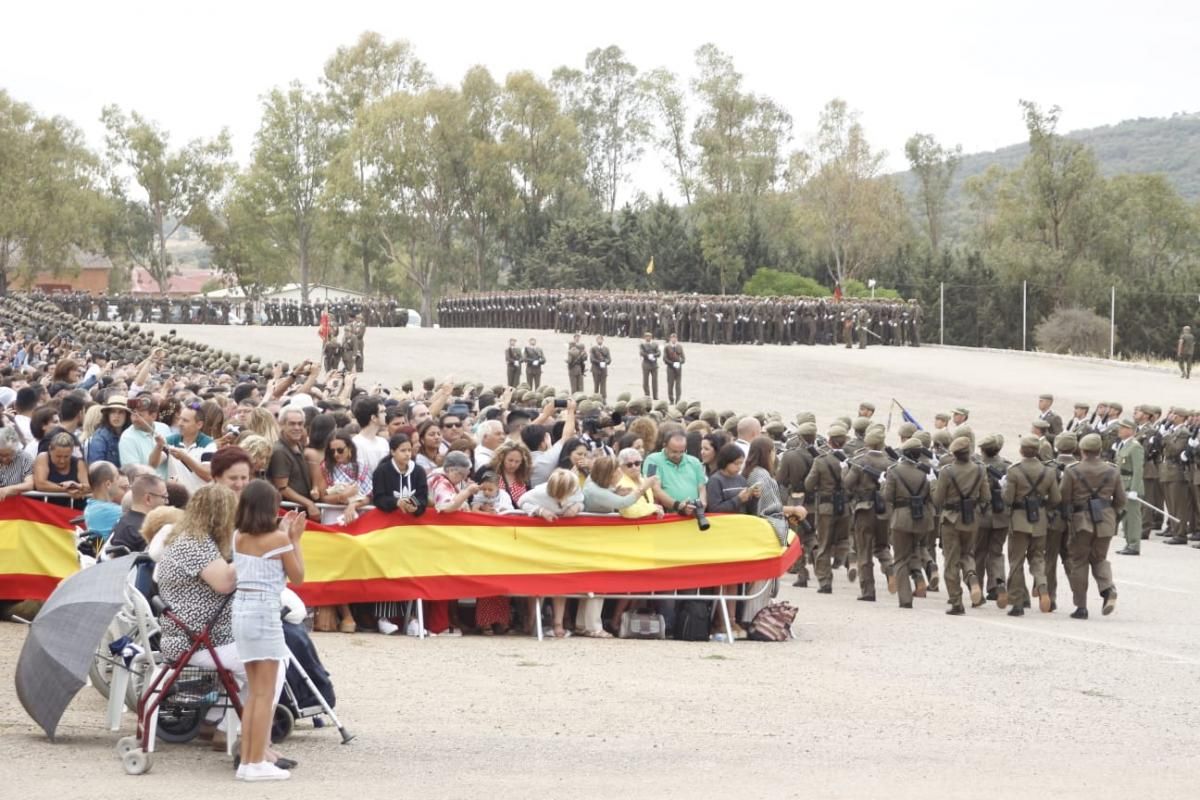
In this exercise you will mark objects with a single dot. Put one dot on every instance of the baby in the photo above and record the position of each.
(489, 499)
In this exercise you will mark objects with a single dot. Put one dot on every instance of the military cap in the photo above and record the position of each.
(1049, 397)
(579, 397)
(1127, 423)
(621, 407)
(673, 414)
(906, 430)
(1155, 410)
(694, 411)
(963, 411)
(836, 432)
(710, 416)
(1091, 443)
(861, 424)
(588, 408)
(724, 415)
(682, 405)
(530, 396)
(942, 437)
(867, 406)
(805, 416)
(626, 396)
(1066, 443)
(429, 383)
(636, 407)
(964, 430)
(942, 415)
(807, 429)
(1116, 407)
(912, 444)
(844, 422)
(546, 390)
(1082, 405)
(1031, 441)
(657, 416)
(874, 438)
(1041, 424)
(960, 445)
(775, 429)
(730, 424)
(661, 406)
(992, 440)
(924, 437)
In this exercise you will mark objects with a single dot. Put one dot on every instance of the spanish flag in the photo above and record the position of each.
(650, 266)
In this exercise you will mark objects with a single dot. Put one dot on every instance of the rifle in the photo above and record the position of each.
(994, 478)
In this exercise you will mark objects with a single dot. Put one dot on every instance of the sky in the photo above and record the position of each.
(955, 70)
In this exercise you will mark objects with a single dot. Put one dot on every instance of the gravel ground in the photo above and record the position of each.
(869, 699)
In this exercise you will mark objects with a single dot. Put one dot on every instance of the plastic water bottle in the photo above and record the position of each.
(718, 637)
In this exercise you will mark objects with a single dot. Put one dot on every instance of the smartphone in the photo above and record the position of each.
(560, 402)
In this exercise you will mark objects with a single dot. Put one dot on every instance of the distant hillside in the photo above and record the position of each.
(1170, 146)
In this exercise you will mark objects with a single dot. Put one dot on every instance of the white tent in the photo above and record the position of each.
(291, 291)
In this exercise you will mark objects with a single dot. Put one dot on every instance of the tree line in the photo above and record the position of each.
(378, 177)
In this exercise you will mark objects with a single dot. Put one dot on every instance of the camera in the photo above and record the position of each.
(698, 512)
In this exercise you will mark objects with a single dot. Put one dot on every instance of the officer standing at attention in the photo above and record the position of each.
(576, 363)
(673, 355)
(910, 503)
(1045, 411)
(359, 328)
(1130, 459)
(512, 363)
(600, 358)
(534, 360)
(349, 349)
(1031, 490)
(1096, 496)
(650, 354)
(961, 492)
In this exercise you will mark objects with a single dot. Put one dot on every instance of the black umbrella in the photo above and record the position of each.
(63, 638)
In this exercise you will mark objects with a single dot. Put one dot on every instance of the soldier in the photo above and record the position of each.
(674, 357)
(794, 466)
(864, 485)
(359, 329)
(576, 363)
(1031, 488)
(332, 349)
(649, 352)
(1045, 411)
(866, 409)
(960, 417)
(1039, 428)
(1130, 459)
(534, 360)
(1056, 519)
(600, 358)
(1096, 497)
(961, 493)
(993, 527)
(908, 499)
(1185, 351)
(1150, 435)
(1078, 424)
(1173, 474)
(824, 485)
(512, 363)
(863, 326)
(941, 420)
(349, 349)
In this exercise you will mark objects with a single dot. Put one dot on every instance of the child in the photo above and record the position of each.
(266, 554)
(489, 499)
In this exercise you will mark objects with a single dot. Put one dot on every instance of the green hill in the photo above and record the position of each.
(1167, 145)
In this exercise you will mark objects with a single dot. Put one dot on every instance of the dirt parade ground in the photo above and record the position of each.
(869, 701)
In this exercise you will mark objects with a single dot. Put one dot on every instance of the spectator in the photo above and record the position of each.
(70, 419)
(190, 450)
(59, 470)
(148, 492)
(16, 466)
(603, 492)
(371, 415)
(23, 407)
(558, 498)
(105, 443)
(710, 445)
(768, 504)
(44, 420)
(145, 440)
(260, 452)
(489, 499)
(342, 479)
(728, 490)
(629, 462)
(231, 468)
(491, 435)
(537, 438)
(576, 459)
(288, 470)
(430, 447)
(747, 429)
(512, 464)
(260, 421)
(103, 508)
(631, 441)
(450, 487)
(399, 485)
(682, 479)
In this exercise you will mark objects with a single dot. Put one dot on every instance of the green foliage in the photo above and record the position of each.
(1075, 331)
(856, 288)
(767, 282)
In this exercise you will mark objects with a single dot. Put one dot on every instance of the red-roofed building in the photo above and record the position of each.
(186, 283)
(92, 276)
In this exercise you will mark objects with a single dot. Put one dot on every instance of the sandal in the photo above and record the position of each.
(562, 633)
(348, 626)
(600, 634)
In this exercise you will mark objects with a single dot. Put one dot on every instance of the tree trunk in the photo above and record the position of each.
(304, 266)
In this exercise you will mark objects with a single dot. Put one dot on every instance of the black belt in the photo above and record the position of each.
(1103, 503)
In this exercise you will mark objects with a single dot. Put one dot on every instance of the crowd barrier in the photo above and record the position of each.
(395, 557)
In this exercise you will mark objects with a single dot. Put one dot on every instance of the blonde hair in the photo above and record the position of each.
(159, 518)
(604, 471)
(561, 484)
(646, 429)
(263, 423)
(92, 419)
(210, 514)
(258, 448)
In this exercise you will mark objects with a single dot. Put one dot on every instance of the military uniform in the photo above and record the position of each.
(512, 364)
(960, 494)
(905, 482)
(1185, 351)
(650, 354)
(1056, 521)
(1096, 495)
(601, 358)
(332, 350)
(674, 357)
(869, 523)
(349, 350)
(1130, 459)
(576, 366)
(1031, 489)
(794, 466)
(534, 360)
(993, 529)
(359, 329)
(825, 486)
(1173, 476)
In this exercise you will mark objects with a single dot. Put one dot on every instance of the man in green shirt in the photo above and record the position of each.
(681, 477)
(1185, 351)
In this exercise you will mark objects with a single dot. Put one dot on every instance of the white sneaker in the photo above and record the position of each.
(413, 628)
(241, 773)
(262, 771)
(387, 627)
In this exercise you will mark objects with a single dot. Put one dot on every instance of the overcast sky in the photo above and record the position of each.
(953, 69)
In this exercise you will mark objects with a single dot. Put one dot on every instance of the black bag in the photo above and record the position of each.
(692, 620)
(916, 506)
(1033, 505)
(880, 505)
(1096, 509)
(839, 502)
(967, 510)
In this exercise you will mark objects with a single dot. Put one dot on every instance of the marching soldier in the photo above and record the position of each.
(1096, 496)
(534, 360)
(1057, 519)
(1031, 489)
(961, 493)
(1130, 459)
(576, 363)
(824, 485)
(1078, 424)
(864, 486)
(600, 358)
(993, 528)
(674, 357)
(512, 363)
(908, 499)
(794, 466)
(649, 352)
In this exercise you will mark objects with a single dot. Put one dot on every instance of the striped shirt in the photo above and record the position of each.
(20, 468)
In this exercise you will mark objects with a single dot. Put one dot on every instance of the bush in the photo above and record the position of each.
(856, 288)
(767, 282)
(1076, 331)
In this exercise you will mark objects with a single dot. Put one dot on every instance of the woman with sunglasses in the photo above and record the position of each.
(342, 480)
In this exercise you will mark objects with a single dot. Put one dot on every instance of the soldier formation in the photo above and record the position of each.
(374, 312)
(708, 319)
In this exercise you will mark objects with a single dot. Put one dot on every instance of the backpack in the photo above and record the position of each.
(773, 623)
(692, 621)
